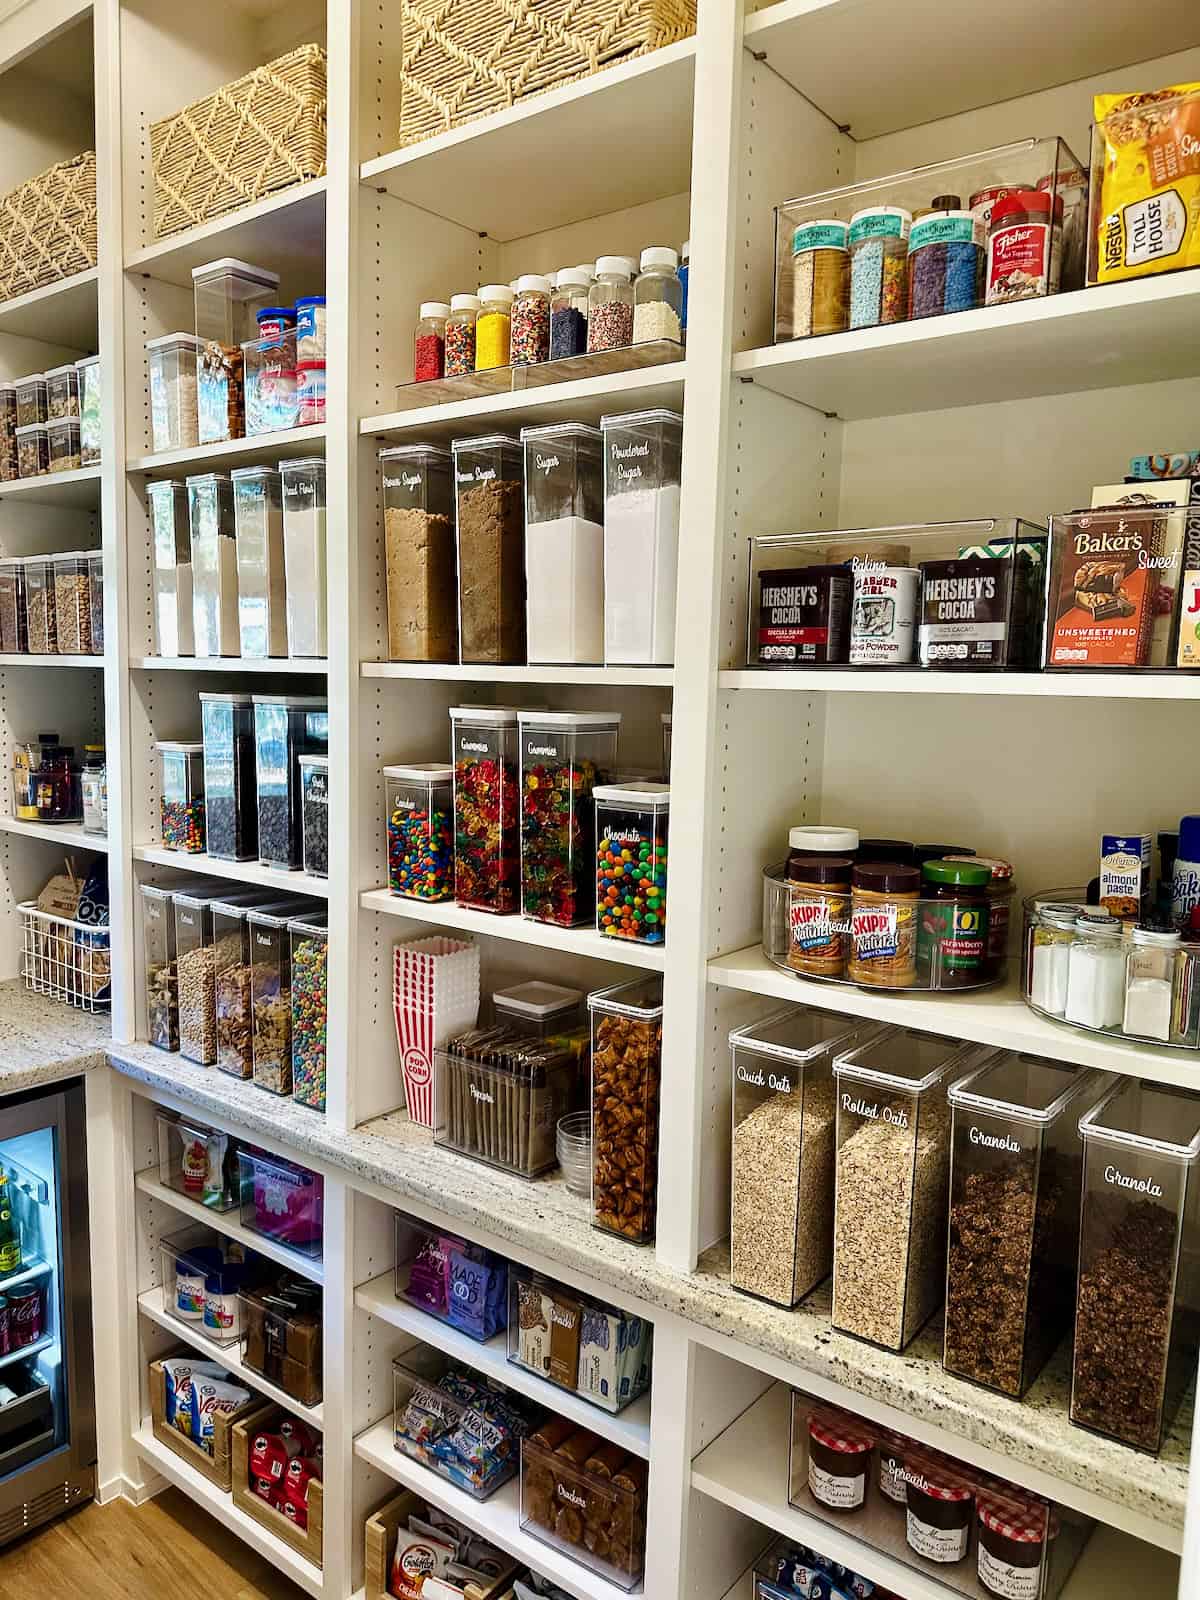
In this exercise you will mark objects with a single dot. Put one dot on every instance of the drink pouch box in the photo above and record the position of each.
(804, 615)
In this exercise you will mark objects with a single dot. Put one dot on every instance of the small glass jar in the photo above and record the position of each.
(493, 327)
(658, 298)
(820, 278)
(569, 313)
(62, 444)
(88, 371)
(420, 830)
(530, 329)
(941, 1508)
(55, 786)
(953, 925)
(32, 405)
(879, 265)
(839, 1459)
(181, 801)
(610, 306)
(310, 328)
(429, 341)
(95, 564)
(1050, 957)
(310, 393)
(1096, 973)
(1149, 982)
(460, 334)
(62, 392)
(33, 450)
(883, 925)
(94, 786)
(1000, 891)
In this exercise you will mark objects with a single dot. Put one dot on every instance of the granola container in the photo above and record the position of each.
(271, 1000)
(41, 620)
(73, 604)
(62, 444)
(626, 1081)
(95, 562)
(232, 979)
(158, 954)
(62, 392)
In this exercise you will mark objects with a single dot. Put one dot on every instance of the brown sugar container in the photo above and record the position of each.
(818, 914)
(883, 924)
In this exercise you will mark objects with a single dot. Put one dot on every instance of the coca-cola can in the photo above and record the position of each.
(4, 1335)
(24, 1317)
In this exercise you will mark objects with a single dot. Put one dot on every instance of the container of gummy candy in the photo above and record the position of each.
(487, 787)
(564, 755)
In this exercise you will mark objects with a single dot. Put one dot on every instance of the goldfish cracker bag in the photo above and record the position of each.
(1148, 217)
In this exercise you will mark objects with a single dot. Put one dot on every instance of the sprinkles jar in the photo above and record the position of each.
(564, 755)
(429, 342)
(420, 847)
(945, 260)
(487, 859)
(530, 332)
(493, 327)
(460, 334)
(820, 278)
(878, 265)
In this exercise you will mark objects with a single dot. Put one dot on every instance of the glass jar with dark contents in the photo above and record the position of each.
(952, 930)
(940, 1507)
(1000, 891)
(839, 1456)
(1014, 1537)
(893, 1452)
(901, 850)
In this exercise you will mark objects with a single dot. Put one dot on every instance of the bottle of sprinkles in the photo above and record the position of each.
(945, 259)
(820, 278)
(879, 265)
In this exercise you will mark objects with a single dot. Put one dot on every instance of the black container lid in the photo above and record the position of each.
(820, 869)
(901, 851)
(887, 877)
(939, 852)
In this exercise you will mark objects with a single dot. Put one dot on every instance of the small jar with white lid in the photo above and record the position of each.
(460, 334)
(569, 313)
(1149, 981)
(658, 297)
(429, 341)
(610, 305)
(493, 327)
(1096, 974)
(530, 330)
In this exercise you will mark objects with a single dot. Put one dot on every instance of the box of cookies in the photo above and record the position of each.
(587, 1498)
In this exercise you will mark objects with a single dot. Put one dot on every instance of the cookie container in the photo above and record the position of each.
(285, 728)
(587, 1499)
(232, 978)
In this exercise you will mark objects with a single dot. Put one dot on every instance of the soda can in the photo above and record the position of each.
(24, 1317)
(4, 1320)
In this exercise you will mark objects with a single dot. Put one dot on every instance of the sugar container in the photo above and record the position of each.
(167, 505)
(490, 513)
(305, 555)
(418, 531)
(261, 589)
(564, 543)
(642, 453)
(214, 565)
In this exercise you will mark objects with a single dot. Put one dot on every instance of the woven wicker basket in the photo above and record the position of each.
(48, 227)
(263, 133)
(463, 59)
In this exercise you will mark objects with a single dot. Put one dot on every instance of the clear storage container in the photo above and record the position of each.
(167, 503)
(231, 814)
(283, 1202)
(490, 516)
(893, 1163)
(1015, 1182)
(642, 451)
(610, 305)
(202, 1273)
(530, 330)
(39, 605)
(1136, 1315)
(305, 555)
(564, 543)
(62, 444)
(174, 404)
(632, 824)
(438, 1404)
(90, 416)
(271, 383)
(314, 814)
(228, 295)
(62, 392)
(310, 1008)
(271, 999)
(626, 1081)
(452, 1279)
(214, 565)
(564, 755)
(418, 531)
(493, 327)
(418, 804)
(158, 949)
(95, 563)
(194, 974)
(658, 297)
(460, 334)
(181, 806)
(579, 1344)
(429, 342)
(260, 585)
(232, 979)
(221, 392)
(285, 728)
(781, 1219)
(14, 633)
(607, 1533)
(73, 604)
(31, 399)
(498, 1094)
(569, 313)
(93, 783)
(281, 1329)
(487, 814)
(8, 432)
(33, 450)
(545, 1010)
(879, 265)
(197, 1161)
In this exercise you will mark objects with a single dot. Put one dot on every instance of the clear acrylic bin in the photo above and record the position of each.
(197, 1161)
(231, 815)
(440, 1405)
(167, 504)
(271, 999)
(893, 1163)
(95, 563)
(452, 1279)
(498, 1096)
(564, 755)
(564, 543)
(418, 807)
(309, 938)
(174, 406)
(214, 565)
(632, 823)
(606, 1530)
(490, 519)
(271, 383)
(283, 1202)
(579, 1344)
(90, 414)
(286, 727)
(304, 546)
(62, 392)
(1138, 1306)
(73, 604)
(227, 294)
(261, 588)
(314, 814)
(196, 965)
(202, 1274)
(31, 399)
(62, 445)
(232, 979)
(963, 596)
(282, 1337)
(1015, 1181)
(642, 454)
(162, 984)
(487, 816)
(545, 1010)
(626, 1083)
(781, 1214)
(418, 532)
(181, 805)
(14, 633)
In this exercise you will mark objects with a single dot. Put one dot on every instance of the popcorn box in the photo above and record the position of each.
(435, 990)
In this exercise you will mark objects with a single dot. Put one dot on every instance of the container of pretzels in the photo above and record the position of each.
(587, 1498)
(498, 1095)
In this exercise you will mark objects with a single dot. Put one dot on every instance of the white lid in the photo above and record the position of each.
(421, 772)
(619, 266)
(489, 716)
(589, 267)
(656, 255)
(464, 302)
(496, 291)
(533, 280)
(30, 427)
(569, 719)
(189, 747)
(228, 697)
(573, 278)
(434, 308)
(639, 795)
(305, 702)
(312, 761)
(882, 211)
(40, 377)
(244, 269)
(537, 999)
(823, 841)
(84, 361)
(665, 717)
(685, 250)
(166, 339)
(54, 372)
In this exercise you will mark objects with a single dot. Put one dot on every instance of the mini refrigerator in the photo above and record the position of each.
(47, 1394)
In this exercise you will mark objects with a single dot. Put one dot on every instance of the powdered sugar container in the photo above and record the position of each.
(642, 452)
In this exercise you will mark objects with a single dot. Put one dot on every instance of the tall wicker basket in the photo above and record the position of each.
(463, 59)
(263, 133)
(48, 227)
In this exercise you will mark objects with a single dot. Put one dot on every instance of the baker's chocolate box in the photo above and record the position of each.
(1112, 572)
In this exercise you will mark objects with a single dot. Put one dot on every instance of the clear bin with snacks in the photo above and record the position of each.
(487, 808)
(174, 405)
(197, 1161)
(232, 979)
(460, 1283)
(579, 1344)
(586, 1498)
(283, 1201)
(564, 755)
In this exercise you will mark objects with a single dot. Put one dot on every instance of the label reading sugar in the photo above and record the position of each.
(944, 1545)
(1011, 1583)
(840, 1494)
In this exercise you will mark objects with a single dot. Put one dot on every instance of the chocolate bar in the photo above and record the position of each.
(1105, 604)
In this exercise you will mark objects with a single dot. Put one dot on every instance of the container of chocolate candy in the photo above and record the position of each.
(564, 755)
(631, 861)
(181, 803)
(419, 802)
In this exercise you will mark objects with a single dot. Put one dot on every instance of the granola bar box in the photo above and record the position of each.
(1106, 584)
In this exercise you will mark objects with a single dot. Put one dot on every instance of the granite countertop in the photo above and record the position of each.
(42, 1040)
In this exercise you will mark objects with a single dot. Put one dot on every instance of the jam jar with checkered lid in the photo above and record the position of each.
(839, 1459)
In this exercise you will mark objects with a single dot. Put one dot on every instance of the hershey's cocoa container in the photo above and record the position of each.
(803, 615)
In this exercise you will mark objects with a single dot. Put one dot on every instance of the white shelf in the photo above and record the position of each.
(746, 1468)
(228, 1223)
(241, 871)
(1137, 332)
(298, 665)
(67, 835)
(497, 1518)
(36, 1269)
(267, 447)
(23, 660)
(219, 1504)
(74, 491)
(638, 112)
(62, 313)
(229, 1356)
(992, 1016)
(290, 223)
(1022, 685)
(613, 677)
(575, 941)
(629, 1428)
(27, 1350)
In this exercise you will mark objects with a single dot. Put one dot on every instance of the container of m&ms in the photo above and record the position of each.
(631, 861)
(564, 755)
(420, 830)
(310, 1008)
(181, 803)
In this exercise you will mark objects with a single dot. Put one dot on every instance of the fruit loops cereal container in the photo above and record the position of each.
(487, 858)
(310, 1009)
(564, 754)
(631, 861)
(420, 850)
(182, 803)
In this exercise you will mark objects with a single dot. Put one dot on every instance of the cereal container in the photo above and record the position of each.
(231, 815)
(231, 978)
(261, 598)
(564, 543)
(310, 1008)
(419, 804)
(33, 450)
(631, 861)
(158, 950)
(214, 565)
(90, 426)
(642, 452)
(95, 562)
(62, 444)
(1137, 1302)
(490, 516)
(271, 999)
(781, 1219)
(14, 635)
(1015, 1178)
(626, 1073)
(73, 604)
(62, 392)
(32, 405)
(418, 530)
(314, 814)
(564, 755)
(39, 605)
(893, 1162)
(304, 555)
(285, 728)
(174, 406)
(283, 1201)
(181, 804)
(194, 974)
(167, 505)
(487, 848)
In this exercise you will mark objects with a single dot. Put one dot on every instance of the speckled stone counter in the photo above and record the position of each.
(43, 1041)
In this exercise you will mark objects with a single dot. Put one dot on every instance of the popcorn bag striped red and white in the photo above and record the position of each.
(435, 990)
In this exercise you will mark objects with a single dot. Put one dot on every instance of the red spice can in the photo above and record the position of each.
(4, 1320)
(25, 1320)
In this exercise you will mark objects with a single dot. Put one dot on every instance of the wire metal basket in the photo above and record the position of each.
(65, 959)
